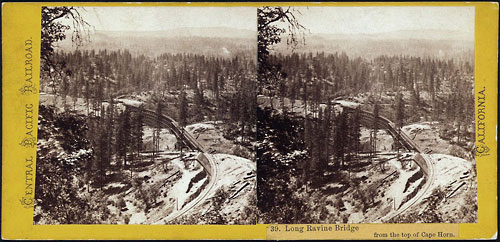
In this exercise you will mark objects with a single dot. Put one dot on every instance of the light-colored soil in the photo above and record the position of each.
(209, 135)
(384, 143)
(154, 188)
(167, 139)
(163, 184)
(238, 178)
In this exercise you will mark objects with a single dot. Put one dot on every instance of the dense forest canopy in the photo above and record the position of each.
(322, 145)
(339, 74)
(198, 79)
(309, 144)
(95, 136)
(120, 70)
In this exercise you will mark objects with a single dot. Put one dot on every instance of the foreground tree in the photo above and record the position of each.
(280, 153)
(269, 74)
(56, 196)
(53, 31)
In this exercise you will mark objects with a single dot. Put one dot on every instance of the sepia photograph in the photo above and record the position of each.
(249, 120)
(366, 115)
(147, 116)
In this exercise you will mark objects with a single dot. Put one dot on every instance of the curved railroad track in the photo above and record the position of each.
(200, 198)
(427, 167)
(209, 164)
(367, 119)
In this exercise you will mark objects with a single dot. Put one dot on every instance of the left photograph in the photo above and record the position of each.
(147, 116)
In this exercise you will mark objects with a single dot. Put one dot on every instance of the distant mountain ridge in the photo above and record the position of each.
(228, 42)
(213, 32)
(426, 34)
(422, 43)
(208, 41)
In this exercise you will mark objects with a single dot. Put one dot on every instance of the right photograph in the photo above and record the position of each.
(366, 115)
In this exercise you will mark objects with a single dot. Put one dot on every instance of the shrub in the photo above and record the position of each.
(121, 203)
(458, 151)
(241, 151)
(200, 175)
(215, 213)
(194, 195)
(417, 175)
(249, 213)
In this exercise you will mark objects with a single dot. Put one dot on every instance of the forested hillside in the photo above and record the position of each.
(433, 89)
(210, 81)
(360, 128)
(127, 165)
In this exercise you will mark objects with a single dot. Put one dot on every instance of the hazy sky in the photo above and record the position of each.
(369, 20)
(339, 20)
(163, 18)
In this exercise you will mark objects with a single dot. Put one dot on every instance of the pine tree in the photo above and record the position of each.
(304, 96)
(138, 131)
(459, 107)
(247, 110)
(157, 130)
(183, 108)
(400, 116)
(198, 103)
(282, 89)
(215, 83)
(400, 108)
(87, 94)
(65, 89)
(110, 128)
(318, 138)
(316, 97)
(76, 88)
(376, 108)
(355, 130)
(103, 154)
(124, 138)
(340, 138)
(415, 98)
(432, 90)
(293, 94)
(308, 136)
(326, 130)
(234, 107)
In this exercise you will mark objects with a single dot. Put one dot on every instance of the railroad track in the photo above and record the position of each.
(189, 141)
(418, 197)
(368, 119)
(198, 200)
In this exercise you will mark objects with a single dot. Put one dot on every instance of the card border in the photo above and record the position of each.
(21, 21)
